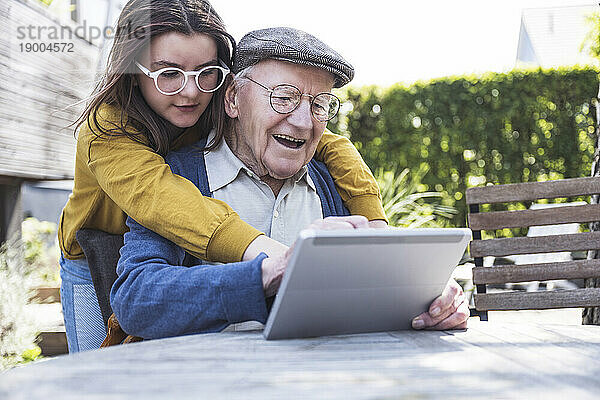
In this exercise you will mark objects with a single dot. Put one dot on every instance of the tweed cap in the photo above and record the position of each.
(293, 45)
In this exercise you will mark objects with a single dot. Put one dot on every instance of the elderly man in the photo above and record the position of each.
(278, 104)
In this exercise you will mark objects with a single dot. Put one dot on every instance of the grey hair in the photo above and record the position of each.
(236, 83)
(238, 79)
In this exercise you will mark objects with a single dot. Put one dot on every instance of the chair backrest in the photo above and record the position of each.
(534, 244)
(101, 250)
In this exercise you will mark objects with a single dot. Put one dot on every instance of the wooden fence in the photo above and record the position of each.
(43, 79)
(39, 90)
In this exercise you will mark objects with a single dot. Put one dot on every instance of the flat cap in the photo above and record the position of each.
(293, 45)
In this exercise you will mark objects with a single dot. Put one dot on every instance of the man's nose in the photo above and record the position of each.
(301, 117)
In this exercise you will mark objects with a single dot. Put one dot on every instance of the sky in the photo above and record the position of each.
(399, 41)
(389, 41)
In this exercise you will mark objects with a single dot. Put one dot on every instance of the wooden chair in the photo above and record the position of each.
(500, 247)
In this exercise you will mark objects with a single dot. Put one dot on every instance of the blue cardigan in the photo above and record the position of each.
(162, 291)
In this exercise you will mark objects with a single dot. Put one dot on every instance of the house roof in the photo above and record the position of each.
(552, 36)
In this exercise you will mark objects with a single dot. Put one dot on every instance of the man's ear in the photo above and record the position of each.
(231, 107)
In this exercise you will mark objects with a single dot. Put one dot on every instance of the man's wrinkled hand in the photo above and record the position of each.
(272, 271)
(335, 223)
(448, 311)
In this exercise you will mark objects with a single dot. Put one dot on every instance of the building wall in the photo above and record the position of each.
(40, 91)
(45, 200)
(552, 36)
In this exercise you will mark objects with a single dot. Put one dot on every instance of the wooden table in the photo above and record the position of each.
(489, 360)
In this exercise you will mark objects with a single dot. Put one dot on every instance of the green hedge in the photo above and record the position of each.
(471, 130)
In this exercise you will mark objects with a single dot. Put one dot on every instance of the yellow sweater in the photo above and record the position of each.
(116, 176)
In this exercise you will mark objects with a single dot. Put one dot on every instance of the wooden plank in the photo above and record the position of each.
(9, 180)
(579, 269)
(521, 342)
(527, 218)
(533, 190)
(47, 294)
(53, 343)
(535, 245)
(573, 334)
(508, 347)
(589, 297)
(46, 86)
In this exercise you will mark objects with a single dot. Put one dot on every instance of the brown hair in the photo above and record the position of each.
(139, 22)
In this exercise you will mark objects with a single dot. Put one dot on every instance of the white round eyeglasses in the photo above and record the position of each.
(171, 80)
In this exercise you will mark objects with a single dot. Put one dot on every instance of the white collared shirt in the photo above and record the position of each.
(281, 217)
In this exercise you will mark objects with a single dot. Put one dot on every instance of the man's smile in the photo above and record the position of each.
(289, 141)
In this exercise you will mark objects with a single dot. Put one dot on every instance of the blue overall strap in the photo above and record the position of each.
(201, 168)
(188, 162)
(331, 201)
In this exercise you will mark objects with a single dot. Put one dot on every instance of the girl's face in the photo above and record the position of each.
(186, 52)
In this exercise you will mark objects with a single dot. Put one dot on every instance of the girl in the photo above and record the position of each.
(131, 123)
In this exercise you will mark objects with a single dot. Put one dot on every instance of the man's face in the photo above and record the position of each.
(261, 134)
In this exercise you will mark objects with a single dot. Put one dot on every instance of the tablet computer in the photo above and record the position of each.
(362, 280)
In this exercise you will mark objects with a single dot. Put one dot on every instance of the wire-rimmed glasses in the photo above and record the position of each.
(285, 98)
(171, 80)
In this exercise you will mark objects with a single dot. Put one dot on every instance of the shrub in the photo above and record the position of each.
(41, 252)
(525, 125)
(406, 204)
(17, 332)
(24, 264)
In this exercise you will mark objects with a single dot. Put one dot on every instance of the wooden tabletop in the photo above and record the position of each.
(489, 360)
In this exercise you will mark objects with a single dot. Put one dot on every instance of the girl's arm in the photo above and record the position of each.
(139, 182)
(353, 178)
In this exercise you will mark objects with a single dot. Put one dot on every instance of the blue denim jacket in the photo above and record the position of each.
(162, 291)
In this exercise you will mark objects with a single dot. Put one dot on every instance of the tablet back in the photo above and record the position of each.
(362, 280)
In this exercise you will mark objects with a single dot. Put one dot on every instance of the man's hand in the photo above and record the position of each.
(272, 271)
(378, 224)
(335, 223)
(448, 311)
(273, 267)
